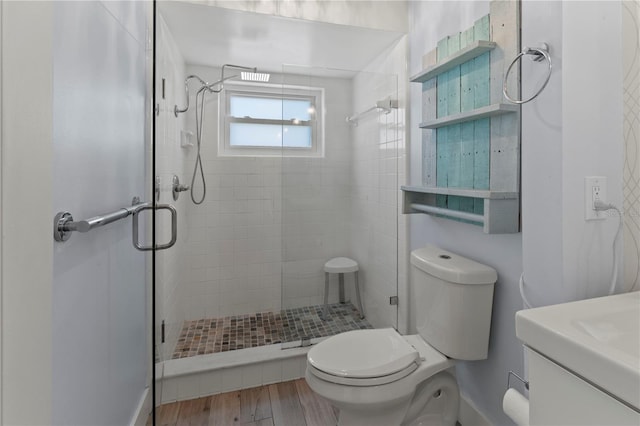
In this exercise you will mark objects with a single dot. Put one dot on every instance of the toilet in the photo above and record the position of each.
(382, 378)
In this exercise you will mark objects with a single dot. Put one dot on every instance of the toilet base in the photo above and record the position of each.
(383, 416)
(433, 402)
(428, 420)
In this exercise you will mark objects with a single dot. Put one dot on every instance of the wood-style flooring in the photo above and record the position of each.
(282, 404)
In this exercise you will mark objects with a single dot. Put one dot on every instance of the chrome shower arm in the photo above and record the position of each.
(238, 67)
(177, 110)
(210, 86)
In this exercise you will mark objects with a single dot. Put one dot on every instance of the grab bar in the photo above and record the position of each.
(64, 225)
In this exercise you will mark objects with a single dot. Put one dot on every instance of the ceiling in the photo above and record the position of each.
(213, 36)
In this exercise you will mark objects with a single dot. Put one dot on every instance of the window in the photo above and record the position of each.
(270, 120)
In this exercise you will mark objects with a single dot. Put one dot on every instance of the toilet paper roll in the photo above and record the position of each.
(516, 406)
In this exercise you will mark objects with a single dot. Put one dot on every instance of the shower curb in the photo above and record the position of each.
(205, 375)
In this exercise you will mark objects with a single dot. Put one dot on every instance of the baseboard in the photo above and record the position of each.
(143, 410)
(469, 415)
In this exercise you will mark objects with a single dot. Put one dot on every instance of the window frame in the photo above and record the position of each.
(273, 91)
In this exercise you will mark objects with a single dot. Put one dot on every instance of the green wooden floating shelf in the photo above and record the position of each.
(470, 162)
(474, 50)
(476, 114)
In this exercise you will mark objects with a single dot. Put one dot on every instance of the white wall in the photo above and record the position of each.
(573, 129)
(99, 322)
(26, 212)
(542, 144)
(377, 239)
(592, 142)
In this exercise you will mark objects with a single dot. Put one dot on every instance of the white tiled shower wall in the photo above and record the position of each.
(377, 237)
(170, 160)
(236, 239)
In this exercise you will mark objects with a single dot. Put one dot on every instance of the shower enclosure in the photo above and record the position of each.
(290, 184)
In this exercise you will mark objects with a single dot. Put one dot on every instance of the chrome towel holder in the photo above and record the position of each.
(539, 54)
(386, 105)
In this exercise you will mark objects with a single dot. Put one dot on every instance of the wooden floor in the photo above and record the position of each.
(281, 404)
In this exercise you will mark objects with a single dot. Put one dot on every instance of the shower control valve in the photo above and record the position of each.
(177, 187)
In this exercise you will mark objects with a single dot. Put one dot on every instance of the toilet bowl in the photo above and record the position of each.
(372, 376)
(382, 378)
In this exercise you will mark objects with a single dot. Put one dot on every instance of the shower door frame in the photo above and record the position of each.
(152, 319)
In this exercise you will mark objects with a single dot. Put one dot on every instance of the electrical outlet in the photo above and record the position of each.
(595, 188)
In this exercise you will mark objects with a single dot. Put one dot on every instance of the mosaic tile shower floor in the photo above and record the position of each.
(207, 336)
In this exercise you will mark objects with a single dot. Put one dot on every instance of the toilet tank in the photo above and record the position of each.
(453, 300)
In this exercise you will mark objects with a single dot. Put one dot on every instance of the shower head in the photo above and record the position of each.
(261, 77)
(247, 73)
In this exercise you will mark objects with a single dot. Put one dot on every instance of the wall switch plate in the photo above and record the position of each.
(595, 188)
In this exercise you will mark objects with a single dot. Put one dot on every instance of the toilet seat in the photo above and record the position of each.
(373, 357)
(364, 357)
(370, 381)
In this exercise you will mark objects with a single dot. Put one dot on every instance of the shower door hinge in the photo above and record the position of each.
(393, 300)
(162, 332)
(164, 88)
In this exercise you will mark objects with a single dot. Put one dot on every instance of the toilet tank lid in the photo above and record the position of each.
(452, 267)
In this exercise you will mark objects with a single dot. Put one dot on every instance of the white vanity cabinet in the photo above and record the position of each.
(584, 361)
(559, 397)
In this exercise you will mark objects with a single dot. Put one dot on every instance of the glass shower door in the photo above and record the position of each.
(340, 202)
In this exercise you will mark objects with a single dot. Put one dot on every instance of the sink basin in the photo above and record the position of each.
(597, 339)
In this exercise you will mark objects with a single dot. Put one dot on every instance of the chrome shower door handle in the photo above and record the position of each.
(174, 227)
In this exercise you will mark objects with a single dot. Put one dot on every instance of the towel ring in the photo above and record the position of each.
(540, 54)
